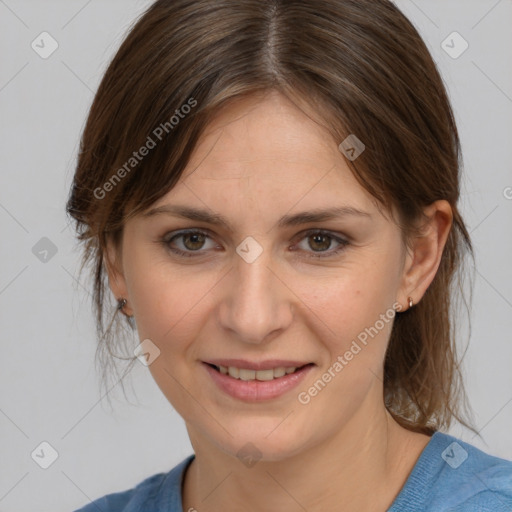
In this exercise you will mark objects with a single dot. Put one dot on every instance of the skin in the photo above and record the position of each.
(262, 158)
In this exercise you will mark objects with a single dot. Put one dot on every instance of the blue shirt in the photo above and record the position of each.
(449, 476)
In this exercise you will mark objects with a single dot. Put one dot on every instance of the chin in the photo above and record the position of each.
(261, 442)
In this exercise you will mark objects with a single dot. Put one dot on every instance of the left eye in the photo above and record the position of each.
(321, 242)
(191, 242)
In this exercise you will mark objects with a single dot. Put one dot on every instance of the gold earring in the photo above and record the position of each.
(411, 303)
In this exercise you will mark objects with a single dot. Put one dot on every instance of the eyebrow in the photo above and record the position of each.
(296, 219)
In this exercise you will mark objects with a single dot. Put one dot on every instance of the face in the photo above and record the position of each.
(269, 288)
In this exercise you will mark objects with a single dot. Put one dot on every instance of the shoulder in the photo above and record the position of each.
(126, 500)
(476, 480)
(157, 491)
(454, 476)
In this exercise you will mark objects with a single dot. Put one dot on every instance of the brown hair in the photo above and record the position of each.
(359, 67)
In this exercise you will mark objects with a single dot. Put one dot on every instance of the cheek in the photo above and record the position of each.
(169, 305)
(169, 302)
(352, 321)
(156, 293)
(355, 316)
(350, 302)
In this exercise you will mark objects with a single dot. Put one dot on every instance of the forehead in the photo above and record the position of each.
(265, 129)
(268, 142)
(261, 159)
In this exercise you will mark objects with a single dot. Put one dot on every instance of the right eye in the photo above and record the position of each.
(188, 242)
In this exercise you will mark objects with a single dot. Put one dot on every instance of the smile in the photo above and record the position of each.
(252, 385)
(248, 375)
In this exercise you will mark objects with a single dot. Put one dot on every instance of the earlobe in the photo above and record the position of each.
(426, 251)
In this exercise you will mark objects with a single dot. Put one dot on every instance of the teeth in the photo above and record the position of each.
(279, 372)
(244, 374)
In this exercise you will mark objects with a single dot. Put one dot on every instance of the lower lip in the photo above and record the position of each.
(257, 390)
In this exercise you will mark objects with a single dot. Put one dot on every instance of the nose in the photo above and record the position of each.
(255, 304)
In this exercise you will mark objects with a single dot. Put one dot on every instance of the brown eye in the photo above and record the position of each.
(193, 241)
(319, 242)
(187, 243)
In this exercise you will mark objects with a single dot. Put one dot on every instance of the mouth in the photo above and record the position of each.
(248, 375)
(274, 380)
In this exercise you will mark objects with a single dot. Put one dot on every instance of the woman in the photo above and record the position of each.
(271, 188)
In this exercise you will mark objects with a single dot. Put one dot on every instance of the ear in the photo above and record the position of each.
(424, 255)
(114, 268)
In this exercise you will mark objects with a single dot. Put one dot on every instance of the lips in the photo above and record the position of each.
(256, 385)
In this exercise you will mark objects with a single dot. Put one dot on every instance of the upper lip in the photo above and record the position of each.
(257, 365)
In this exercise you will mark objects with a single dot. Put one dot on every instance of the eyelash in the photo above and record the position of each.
(166, 241)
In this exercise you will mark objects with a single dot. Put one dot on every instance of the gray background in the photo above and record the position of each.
(49, 389)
